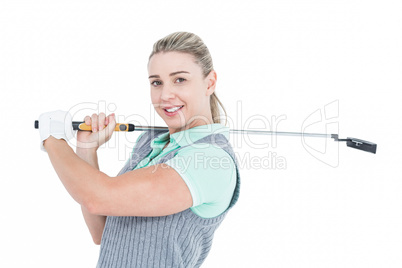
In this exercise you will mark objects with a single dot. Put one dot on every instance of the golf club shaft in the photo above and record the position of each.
(81, 126)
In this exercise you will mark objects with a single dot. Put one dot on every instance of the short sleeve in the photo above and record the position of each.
(209, 173)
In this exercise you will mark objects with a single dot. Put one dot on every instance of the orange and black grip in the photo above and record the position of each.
(83, 127)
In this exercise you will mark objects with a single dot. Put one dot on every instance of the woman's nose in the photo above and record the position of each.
(167, 93)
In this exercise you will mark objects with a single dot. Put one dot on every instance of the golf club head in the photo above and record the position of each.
(363, 145)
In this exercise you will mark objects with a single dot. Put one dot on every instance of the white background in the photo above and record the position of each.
(326, 208)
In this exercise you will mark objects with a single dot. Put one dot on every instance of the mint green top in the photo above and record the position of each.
(208, 171)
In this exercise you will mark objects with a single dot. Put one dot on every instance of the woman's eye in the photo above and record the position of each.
(156, 83)
(180, 80)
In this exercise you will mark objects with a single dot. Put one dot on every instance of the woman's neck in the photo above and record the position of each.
(194, 123)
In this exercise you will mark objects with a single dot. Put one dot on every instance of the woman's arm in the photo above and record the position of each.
(151, 191)
(95, 223)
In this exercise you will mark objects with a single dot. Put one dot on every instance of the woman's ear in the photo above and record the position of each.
(211, 82)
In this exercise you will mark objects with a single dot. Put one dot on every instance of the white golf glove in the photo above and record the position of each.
(57, 124)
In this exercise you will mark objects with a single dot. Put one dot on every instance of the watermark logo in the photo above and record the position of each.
(325, 121)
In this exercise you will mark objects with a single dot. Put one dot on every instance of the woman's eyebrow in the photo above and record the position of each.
(179, 72)
(172, 74)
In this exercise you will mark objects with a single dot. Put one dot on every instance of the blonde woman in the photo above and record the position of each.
(164, 206)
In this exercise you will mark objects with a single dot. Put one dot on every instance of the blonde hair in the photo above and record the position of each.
(192, 44)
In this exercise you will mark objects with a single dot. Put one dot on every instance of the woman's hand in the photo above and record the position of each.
(102, 130)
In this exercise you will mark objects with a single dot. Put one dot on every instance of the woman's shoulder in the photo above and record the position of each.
(208, 160)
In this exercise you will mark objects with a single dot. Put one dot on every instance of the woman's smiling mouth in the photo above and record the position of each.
(171, 111)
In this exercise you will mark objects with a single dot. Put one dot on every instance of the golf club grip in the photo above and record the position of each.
(81, 126)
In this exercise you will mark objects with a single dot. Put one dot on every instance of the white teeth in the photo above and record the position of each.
(173, 109)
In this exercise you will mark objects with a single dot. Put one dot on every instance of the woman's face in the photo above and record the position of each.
(179, 92)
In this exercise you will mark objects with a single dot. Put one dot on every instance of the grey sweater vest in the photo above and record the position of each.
(183, 239)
